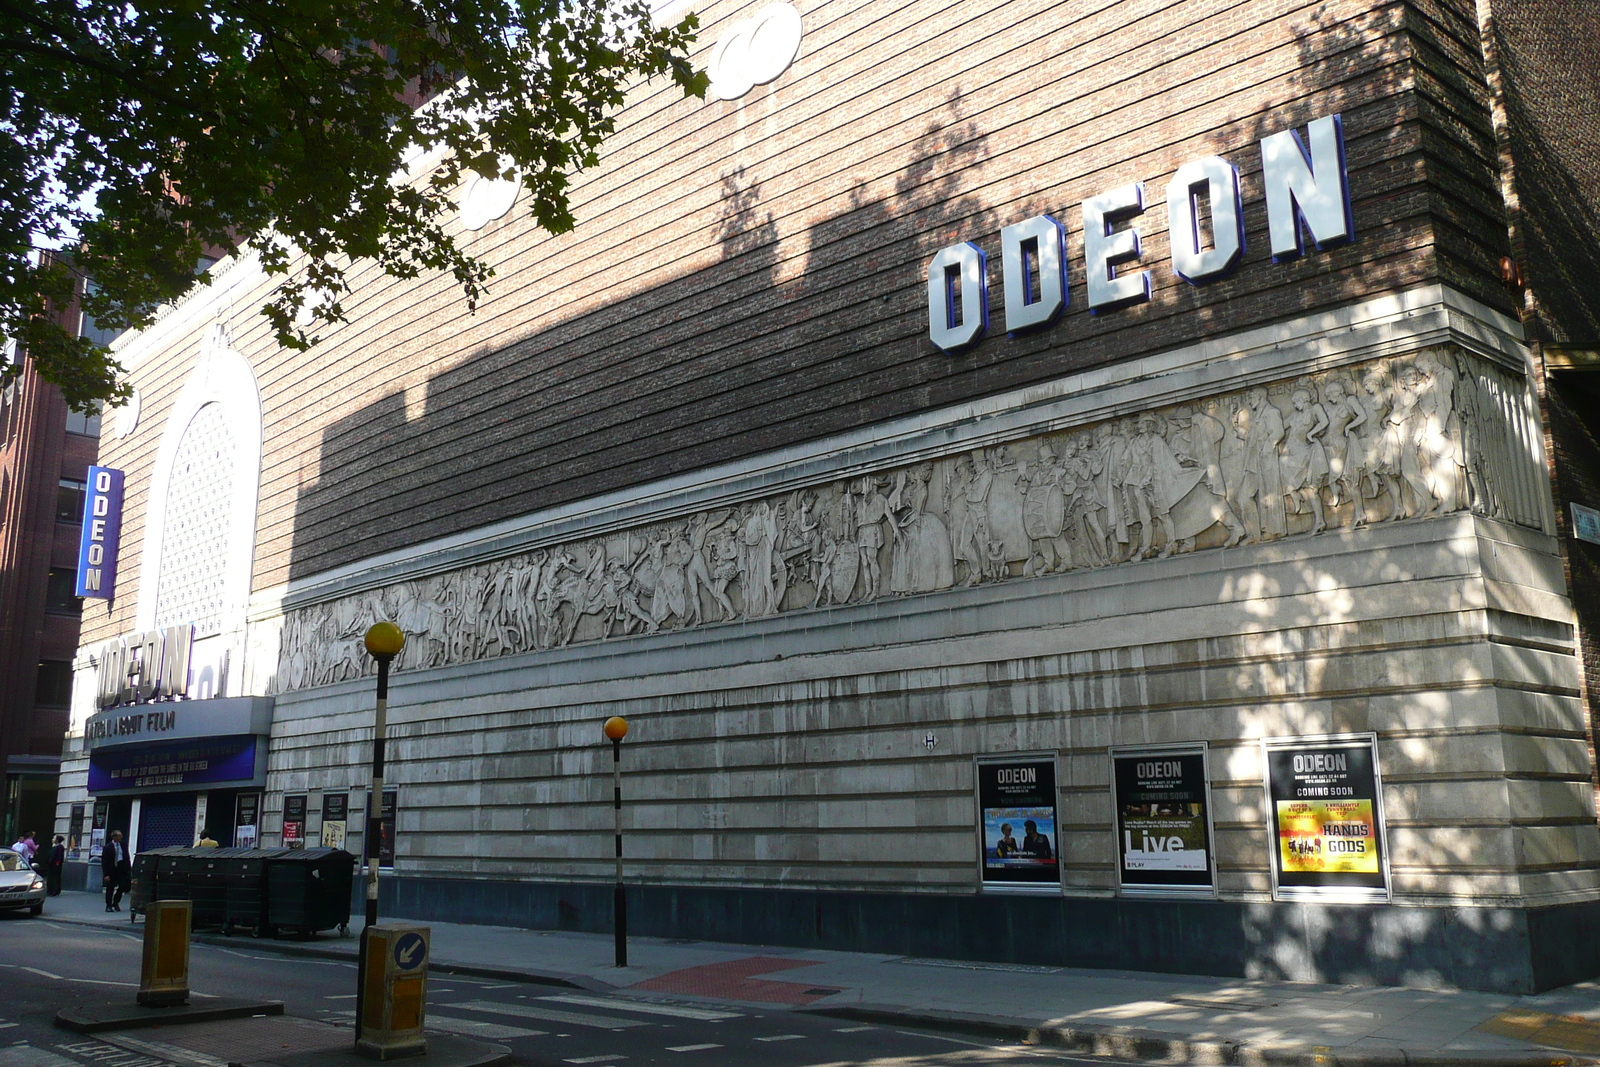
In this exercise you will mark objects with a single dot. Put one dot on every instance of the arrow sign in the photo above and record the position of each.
(410, 951)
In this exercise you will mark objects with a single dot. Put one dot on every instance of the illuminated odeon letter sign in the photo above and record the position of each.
(102, 530)
(1308, 196)
(139, 668)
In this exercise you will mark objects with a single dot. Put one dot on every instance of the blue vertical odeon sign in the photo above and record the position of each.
(102, 529)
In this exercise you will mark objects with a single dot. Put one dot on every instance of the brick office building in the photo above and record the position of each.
(45, 452)
(1045, 481)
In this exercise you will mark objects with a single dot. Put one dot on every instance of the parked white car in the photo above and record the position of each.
(20, 885)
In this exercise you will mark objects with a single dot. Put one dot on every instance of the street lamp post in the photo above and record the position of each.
(616, 728)
(384, 641)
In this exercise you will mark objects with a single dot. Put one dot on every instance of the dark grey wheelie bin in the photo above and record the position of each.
(244, 872)
(151, 870)
(308, 890)
(207, 886)
(159, 874)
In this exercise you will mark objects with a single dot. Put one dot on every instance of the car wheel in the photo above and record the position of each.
(37, 909)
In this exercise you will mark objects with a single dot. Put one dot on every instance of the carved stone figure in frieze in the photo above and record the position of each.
(725, 561)
(762, 575)
(1406, 429)
(1045, 509)
(1263, 471)
(969, 491)
(1006, 504)
(1111, 455)
(1344, 447)
(871, 510)
(1472, 450)
(1439, 438)
(1305, 462)
(1207, 432)
(920, 556)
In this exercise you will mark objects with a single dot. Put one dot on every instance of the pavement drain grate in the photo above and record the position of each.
(965, 965)
(1224, 1003)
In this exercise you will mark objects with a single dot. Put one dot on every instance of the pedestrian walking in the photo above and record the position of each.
(116, 869)
(54, 865)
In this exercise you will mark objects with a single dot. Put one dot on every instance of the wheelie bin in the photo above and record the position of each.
(244, 872)
(309, 890)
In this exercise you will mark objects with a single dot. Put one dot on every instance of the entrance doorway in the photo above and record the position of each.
(166, 821)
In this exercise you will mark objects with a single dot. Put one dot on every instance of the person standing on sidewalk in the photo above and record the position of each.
(54, 865)
(115, 868)
(25, 846)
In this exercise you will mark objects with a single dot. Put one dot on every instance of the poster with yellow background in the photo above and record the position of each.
(1317, 836)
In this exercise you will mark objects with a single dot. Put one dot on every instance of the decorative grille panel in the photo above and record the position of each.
(194, 535)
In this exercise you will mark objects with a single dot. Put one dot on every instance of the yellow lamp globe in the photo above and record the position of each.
(616, 728)
(385, 639)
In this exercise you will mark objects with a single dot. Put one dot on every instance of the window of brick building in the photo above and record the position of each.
(88, 425)
(69, 500)
(59, 596)
(54, 689)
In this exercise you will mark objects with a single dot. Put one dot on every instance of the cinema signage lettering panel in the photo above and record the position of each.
(102, 534)
(147, 666)
(1307, 188)
(207, 761)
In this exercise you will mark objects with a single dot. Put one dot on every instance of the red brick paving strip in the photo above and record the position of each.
(732, 980)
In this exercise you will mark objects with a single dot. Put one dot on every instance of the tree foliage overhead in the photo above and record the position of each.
(138, 135)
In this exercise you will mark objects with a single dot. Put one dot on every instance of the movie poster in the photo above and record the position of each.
(1017, 823)
(335, 818)
(1327, 818)
(1163, 820)
(294, 821)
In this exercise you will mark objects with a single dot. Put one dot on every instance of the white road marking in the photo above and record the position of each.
(297, 960)
(596, 1059)
(784, 1037)
(162, 1050)
(508, 985)
(340, 996)
(645, 1007)
(64, 978)
(528, 1011)
(7, 1026)
(689, 1048)
(851, 1029)
(475, 1028)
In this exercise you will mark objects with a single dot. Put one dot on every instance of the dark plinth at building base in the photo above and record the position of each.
(127, 1015)
(1490, 949)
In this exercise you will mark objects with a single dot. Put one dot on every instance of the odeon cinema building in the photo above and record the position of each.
(1083, 482)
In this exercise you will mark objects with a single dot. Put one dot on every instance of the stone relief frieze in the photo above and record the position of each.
(1402, 438)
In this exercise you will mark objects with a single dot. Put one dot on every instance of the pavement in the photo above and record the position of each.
(1121, 1014)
